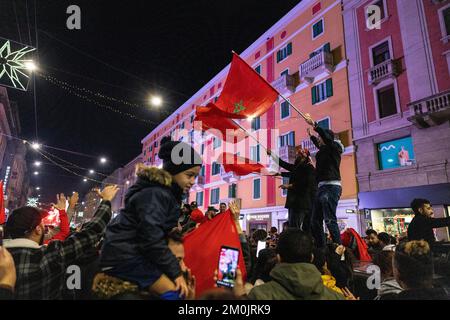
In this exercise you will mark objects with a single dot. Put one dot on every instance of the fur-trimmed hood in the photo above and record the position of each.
(152, 176)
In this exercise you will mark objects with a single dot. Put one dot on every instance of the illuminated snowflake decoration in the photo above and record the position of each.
(32, 202)
(14, 71)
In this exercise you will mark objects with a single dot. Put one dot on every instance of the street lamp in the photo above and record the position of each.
(37, 163)
(36, 173)
(30, 65)
(84, 180)
(38, 188)
(35, 145)
(103, 160)
(91, 171)
(156, 101)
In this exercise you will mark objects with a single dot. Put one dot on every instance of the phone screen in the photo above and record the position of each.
(228, 263)
(261, 245)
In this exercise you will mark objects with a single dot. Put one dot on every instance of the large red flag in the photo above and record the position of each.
(245, 93)
(212, 117)
(240, 165)
(2, 205)
(202, 248)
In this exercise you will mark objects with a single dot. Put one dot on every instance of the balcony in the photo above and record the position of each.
(228, 177)
(287, 153)
(382, 71)
(285, 84)
(431, 111)
(307, 143)
(321, 62)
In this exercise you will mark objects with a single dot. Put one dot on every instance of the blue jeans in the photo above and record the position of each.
(325, 209)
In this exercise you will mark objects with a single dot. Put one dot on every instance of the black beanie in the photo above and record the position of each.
(176, 163)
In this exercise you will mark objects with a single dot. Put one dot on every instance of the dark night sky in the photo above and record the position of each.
(125, 50)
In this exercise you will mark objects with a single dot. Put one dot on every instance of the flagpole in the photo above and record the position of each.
(294, 107)
(248, 133)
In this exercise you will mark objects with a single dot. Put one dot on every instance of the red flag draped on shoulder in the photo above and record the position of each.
(212, 117)
(245, 93)
(2, 205)
(202, 248)
(240, 165)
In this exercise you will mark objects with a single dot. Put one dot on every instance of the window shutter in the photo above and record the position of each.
(313, 94)
(329, 85)
(278, 56)
(327, 47)
(289, 48)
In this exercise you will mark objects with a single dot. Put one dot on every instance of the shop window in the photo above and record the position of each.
(392, 221)
(395, 153)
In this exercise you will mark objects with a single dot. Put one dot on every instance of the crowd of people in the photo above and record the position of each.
(140, 254)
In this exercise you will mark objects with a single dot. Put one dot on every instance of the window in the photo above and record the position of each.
(191, 136)
(215, 168)
(257, 189)
(258, 69)
(387, 105)
(322, 91)
(232, 190)
(150, 159)
(395, 153)
(284, 191)
(381, 53)
(324, 123)
(199, 198)
(284, 52)
(256, 123)
(202, 171)
(317, 29)
(255, 153)
(287, 139)
(284, 73)
(155, 144)
(182, 125)
(216, 142)
(325, 48)
(446, 15)
(145, 152)
(215, 196)
(192, 118)
(285, 110)
(203, 148)
(151, 148)
(216, 98)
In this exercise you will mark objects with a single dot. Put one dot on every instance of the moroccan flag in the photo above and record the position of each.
(2, 205)
(245, 93)
(240, 165)
(202, 248)
(212, 117)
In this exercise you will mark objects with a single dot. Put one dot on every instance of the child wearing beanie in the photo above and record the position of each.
(135, 248)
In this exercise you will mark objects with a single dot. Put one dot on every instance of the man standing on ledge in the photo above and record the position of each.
(328, 160)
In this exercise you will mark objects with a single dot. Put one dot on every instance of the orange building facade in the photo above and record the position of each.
(303, 57)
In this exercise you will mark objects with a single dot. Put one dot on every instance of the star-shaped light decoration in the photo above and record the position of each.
(15, 65)
(32, 202)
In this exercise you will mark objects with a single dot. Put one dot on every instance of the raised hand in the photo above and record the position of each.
(309, 120)
(73, 200)
(60, 202)
(108, 193)
(235, 210)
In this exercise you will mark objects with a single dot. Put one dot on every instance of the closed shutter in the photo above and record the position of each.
(314, 95)
(326, 47)
(329, 85)
(278, 56)
(289, 48)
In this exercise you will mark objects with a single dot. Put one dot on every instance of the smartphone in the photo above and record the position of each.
(228, 263)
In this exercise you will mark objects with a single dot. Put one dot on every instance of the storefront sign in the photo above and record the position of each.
(258, 216)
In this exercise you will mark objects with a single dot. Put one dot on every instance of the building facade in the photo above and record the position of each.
(303, 57)
(400, 100)
(13, 168)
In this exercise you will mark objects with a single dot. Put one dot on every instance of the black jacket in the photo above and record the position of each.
(6, 293)
(328, 158)
(152, 209)
(303, 178)
(421, 227)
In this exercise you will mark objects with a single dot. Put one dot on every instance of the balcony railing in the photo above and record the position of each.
(228, 176)
(431, 111)
(285, 83)
(322, 61)
(307, 143)
(384, 70)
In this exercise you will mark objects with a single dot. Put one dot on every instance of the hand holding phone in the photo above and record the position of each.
(228, 263)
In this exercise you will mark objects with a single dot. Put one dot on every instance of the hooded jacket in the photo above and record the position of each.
(388, 287)
(152, 209)
(328, 158)
(294, 281)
